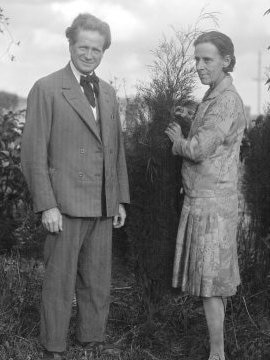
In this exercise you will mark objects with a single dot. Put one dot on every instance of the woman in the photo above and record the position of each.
(206, 263)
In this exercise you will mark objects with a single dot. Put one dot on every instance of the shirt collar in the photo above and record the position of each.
(76, 73)
(222, 86)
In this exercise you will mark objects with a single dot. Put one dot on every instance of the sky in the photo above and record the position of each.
(137, 26)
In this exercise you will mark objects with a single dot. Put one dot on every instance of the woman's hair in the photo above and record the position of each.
(88, 22)
(222, 42)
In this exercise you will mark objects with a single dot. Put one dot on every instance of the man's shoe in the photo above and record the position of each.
(50, 355)
(98, 348)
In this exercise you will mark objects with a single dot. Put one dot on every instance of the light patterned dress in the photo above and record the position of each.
(206, 262)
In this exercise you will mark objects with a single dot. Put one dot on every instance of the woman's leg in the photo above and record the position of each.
(214, 308)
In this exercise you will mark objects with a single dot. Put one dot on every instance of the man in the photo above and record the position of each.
(74, 163)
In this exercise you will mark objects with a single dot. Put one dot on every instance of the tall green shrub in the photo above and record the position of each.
(15, 200)
(154, 173)
(256, 185)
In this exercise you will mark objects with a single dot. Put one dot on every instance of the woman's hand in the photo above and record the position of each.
(185, 112)
(174, 132)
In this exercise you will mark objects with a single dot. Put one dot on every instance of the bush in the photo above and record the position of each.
(18, 223)
(256, 188)
(154, 173)
(8, 100)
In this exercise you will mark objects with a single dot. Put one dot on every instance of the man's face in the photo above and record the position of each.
(87, 51)
(210, 64)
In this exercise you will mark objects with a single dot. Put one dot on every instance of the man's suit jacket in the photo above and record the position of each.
(63, 155)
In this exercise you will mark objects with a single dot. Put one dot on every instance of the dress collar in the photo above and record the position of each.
(220, 88)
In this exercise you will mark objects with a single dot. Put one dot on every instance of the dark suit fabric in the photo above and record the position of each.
(72, 163)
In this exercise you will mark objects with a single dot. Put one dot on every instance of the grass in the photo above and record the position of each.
(178, 330)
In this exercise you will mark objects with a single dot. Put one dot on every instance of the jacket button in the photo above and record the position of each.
(80, 174)
(82, 150)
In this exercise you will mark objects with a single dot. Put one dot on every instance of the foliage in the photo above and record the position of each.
(154, 173)
(18, 224)
(12, 186)
(5, 32)
(178, 331)
(256, 187)
(254, 251)
(8, 101)
(3, 21)
(254, 243)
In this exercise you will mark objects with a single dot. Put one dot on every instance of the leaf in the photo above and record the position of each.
(266, 241)
(5, 164)
(5, 152)
(267, 12)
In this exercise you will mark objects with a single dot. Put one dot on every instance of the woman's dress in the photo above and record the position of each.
(206, 262)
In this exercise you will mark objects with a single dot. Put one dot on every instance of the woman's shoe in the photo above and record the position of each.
(215, 357)
(50, 355)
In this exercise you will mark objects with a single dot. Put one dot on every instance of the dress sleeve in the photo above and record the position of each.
(216, 124)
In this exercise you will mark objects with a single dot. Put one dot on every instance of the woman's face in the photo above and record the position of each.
(210, 64)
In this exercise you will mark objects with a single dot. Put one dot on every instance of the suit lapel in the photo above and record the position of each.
(75, 97)
(105, 110)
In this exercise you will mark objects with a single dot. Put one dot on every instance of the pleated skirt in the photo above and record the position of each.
(206, 262)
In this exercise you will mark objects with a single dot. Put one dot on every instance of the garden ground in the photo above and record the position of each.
(177, 331)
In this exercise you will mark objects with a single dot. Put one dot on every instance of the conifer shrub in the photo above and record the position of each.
(256, 187)
(154, 173)
(19, 226)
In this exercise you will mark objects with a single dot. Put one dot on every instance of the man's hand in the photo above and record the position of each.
(174, 132)
(119, 220)
(52, 220)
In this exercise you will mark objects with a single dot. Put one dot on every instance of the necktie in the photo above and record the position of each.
(90, 84)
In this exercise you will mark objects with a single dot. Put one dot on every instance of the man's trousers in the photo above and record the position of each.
(78, 259)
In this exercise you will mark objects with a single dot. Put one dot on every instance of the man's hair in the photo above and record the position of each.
(222, 42)
(89, 22)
